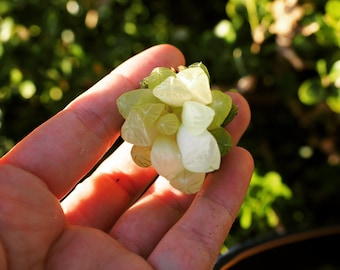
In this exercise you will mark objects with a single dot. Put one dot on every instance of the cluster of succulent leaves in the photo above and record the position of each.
(176, 123)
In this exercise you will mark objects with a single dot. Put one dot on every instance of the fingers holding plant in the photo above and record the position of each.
(177, 124)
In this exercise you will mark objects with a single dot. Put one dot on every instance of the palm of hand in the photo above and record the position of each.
(38, 237)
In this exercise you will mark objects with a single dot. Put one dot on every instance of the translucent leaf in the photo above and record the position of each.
(223, 139)
(221, 104)
(150, 112)
(196, 117)
(158, 75)
(136, 132)
(141, 156)
(233, 112)
(134, 98)
(196, 80)
(172, 92)
(168, 124)
(165, 157)
(202, 66)
(188, 182)
(200, 153)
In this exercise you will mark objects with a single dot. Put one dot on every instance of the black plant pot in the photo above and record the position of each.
(316, 249)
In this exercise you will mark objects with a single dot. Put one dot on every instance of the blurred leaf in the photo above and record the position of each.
(1, 50)
(223, 139)
(16, 76)
(66, 66)
(274, 182)
(225, 29)
(6, 29)
(5, 6)
(311, 92)
(5, 93)
(333, 9)
(27, 89)
(321, 67)
(246, 218)
(263, 191)
(334, 74)
(333, 100)
(272, 217)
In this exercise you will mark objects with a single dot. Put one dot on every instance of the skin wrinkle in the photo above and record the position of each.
(80, 242)
(187, 258)
(26, 204)
(202, 238)
(80, 213)
(171, 204)
(169, 196)
(128, 243)
(96, 125)
(126, 78)
(94, 121)
(43, 169)
(214, 198)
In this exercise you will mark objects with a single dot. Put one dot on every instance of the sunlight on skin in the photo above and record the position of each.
(97, 191)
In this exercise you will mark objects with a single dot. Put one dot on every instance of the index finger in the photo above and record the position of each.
(63, 149)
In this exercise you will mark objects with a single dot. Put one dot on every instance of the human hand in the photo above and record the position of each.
(101, 224)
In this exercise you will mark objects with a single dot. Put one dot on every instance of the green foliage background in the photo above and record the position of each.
(282, 55)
